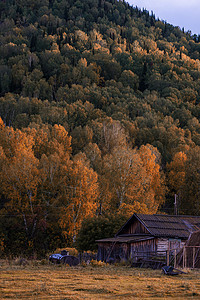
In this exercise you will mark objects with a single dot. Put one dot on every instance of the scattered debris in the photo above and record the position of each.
(169, 270)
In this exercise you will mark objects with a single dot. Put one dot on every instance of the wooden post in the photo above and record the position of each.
(183, 256)
(193, 258)
(175, 258)
(167, 257)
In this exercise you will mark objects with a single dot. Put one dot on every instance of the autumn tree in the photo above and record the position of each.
(128, 78)
(20, 177)
(134, 180)
(176, 175)
(111, 134)
(80, 195)
(156, 188)
(190, 203)
(53, 147)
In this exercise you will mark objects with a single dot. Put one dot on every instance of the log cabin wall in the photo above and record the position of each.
(144, 247)
(162, 244)
(133, 249)
(101, 253)
(135, 228)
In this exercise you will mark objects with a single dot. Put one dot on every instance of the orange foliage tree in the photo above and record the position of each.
(135, 182)
(176, 174)
(80, 195)
(19, 176)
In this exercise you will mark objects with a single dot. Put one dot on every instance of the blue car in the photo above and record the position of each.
(55, 258)
(64, 259)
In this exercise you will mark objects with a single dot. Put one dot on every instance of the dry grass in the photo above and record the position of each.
(43, 281)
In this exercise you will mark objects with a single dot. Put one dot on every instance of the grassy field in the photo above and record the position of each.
(42, 281)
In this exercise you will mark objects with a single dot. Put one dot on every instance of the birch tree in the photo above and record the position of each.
(80, 193)
(20, 177)
(134, 180)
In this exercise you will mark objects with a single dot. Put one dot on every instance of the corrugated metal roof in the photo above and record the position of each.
(175, 226)
(166, 225)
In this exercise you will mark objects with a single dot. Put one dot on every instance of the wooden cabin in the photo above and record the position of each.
(144, 234)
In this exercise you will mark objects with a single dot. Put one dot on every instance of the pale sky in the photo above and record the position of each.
(182, 13)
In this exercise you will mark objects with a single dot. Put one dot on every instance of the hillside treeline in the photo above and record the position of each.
(100, 110)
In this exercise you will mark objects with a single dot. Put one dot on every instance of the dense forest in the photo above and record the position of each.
(100, 118)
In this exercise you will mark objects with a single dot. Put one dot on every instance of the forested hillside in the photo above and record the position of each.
(100, 117)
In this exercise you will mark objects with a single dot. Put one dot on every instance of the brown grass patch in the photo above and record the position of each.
(44, 281)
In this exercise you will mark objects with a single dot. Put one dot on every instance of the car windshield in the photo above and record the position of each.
(57, 256)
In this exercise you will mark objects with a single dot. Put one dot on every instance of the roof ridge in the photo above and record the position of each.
(175, 216)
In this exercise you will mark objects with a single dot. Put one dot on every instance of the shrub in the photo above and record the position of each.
(96, 263)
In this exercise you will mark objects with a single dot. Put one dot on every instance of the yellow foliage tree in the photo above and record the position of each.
(20, 176)
(155, 182)
(80, 193)
(176, 172)
(134, 180)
